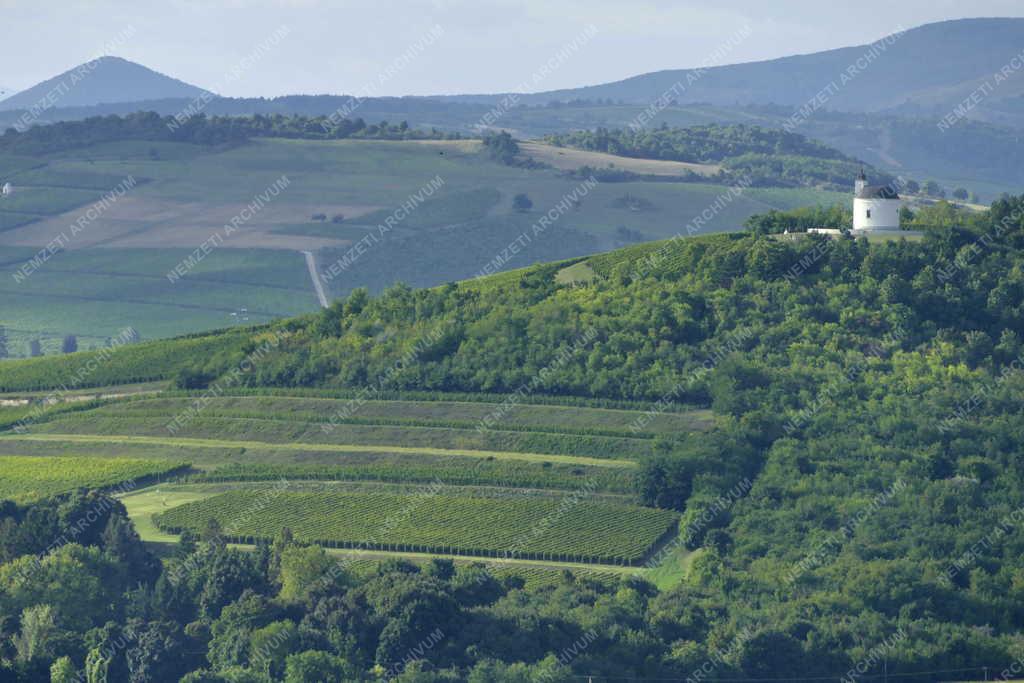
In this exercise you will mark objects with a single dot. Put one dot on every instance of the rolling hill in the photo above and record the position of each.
(115, 272)
(103, 80)
(886, 115)
(707, 439)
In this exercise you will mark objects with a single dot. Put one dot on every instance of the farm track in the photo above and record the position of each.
(318, 286)
(333, 448)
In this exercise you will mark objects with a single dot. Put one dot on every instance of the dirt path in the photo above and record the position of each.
(192, 442)
(317, 285)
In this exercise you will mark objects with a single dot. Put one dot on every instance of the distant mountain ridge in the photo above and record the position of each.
(105, 80)
(886, 114)
(924, 70)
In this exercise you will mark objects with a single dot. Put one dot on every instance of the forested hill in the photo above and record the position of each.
(870, 392)
(764, 155)
(201, 130)
(698, 144)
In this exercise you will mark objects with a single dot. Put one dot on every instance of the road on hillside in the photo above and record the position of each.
(317, 285)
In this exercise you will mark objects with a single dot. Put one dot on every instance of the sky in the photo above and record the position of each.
(247, 48)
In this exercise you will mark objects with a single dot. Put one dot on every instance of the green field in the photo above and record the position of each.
(594, 532)
(48, 200)
(24, 479)
(114, 273)
(96, 293)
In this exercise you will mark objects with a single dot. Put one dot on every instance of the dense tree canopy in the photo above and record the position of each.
(201, 130)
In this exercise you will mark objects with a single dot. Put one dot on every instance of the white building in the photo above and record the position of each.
(875, 207)
(6, 189)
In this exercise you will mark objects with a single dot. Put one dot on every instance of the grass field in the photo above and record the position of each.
(96, 293)
(114, 272)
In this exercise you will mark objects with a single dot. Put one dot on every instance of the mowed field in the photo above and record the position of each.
(119, 266)
(545, 486)
(567, 159)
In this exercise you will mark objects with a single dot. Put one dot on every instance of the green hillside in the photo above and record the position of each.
(808, 448)
(118, 223)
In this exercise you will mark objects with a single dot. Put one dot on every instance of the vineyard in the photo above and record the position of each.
(282, 428)
(223, 463)
(412, 470)
(553, 484)
(125, 364)
(24, 479)
(577, 409)
(572, 529)
(576, 421)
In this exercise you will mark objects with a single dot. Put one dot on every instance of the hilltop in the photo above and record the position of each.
(103, 80)
(746, 427)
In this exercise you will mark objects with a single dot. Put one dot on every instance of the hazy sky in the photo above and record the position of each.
(397, 47)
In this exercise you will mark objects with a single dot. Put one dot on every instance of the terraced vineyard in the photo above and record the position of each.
(572, 529)
(453, 472)
(223, 462)
(576, 420)
(553, 484)
(293, 429)
(24, 479)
